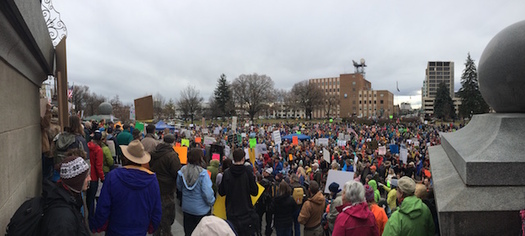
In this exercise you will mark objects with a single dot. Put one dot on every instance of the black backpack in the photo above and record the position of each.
(27, 218)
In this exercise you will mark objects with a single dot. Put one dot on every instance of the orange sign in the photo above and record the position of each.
(183, 154)
(295, 140)
(198, 139)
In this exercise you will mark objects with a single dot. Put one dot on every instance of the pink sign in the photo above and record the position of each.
(215, 156)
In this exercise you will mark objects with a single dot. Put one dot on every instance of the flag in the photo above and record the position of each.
(70, 93)
(397, 86)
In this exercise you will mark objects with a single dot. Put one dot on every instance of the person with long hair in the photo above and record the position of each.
(283, 208)
(197, 192)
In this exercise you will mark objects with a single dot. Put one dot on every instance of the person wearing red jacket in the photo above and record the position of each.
(96, 159)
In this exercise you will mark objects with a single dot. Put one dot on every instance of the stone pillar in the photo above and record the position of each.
(479, 171)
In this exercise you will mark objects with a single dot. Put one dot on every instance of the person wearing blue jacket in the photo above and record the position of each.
(197, 192)
(129, 202)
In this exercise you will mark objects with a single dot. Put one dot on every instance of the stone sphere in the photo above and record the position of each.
(105, 108)
(501, 70)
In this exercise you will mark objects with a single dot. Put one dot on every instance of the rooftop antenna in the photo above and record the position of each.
(360, 67)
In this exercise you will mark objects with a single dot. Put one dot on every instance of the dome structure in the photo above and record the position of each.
(105, 109)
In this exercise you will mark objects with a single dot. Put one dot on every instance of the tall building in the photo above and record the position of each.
(355, 97)
(437, 72)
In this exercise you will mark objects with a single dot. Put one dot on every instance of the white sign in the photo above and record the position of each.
(243, 135)
(205, 131)
(326, 155)
(209, 140)
(341, 143)
(403, 154)
(260, 149)
(276, 136)
(323, 141)
(341, 136)
(217, 131)
(382, 150)
(234, 123)
(340, 177)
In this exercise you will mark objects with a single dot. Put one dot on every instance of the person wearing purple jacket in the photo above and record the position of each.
(129, 202)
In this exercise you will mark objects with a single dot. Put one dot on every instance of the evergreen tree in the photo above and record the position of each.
(223, 97)
(471, 100)
(443, 104)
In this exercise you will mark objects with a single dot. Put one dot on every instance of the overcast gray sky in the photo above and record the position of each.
(136, 48)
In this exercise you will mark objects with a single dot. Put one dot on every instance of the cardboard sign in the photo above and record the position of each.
(198, 139)
(290, 157)
(183, 154)
(219, 208)
(340, 177)
(216, 156)
(144, 108)
(295, 140)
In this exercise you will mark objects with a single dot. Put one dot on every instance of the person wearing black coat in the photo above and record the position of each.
(283, 207)
(62, 216)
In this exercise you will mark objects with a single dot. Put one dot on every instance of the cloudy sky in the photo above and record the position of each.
(136, 48)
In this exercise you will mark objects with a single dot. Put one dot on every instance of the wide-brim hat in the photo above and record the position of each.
(135, 152)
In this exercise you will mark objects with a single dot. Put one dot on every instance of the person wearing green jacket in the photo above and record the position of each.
(412, 217)
(372, 183)
(108, 158)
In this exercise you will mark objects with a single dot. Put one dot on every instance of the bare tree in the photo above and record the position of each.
(330, 103)
(190, 102)
(307, 96)
(252, 92)
(158, 106)
(120, 110)
(169, 109)
(79, 96)
(93, 100)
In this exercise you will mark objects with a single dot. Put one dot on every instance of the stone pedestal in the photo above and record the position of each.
(472, 171)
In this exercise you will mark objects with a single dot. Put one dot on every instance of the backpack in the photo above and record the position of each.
(28, 217)
(298, 195)
(26, 220)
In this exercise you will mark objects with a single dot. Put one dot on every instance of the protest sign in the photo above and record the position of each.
(205, 131)
(276, 137)
(295, 140)
(217, 131)
(326, 155)
(341, 136)
(253, 142)
(183, 154)
(198, 139)
(144, 108)
(340, 177)
(139, 126)
(234, 123)
(382, 150)
(341, 143)
(251, 153)
(216, 156)
(323, 141)
(209, 140)
(185, 142)
(403, 154)
(243, 135)
(290, 157)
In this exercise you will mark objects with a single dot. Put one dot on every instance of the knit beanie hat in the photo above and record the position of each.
(73, 172)
(369, 193)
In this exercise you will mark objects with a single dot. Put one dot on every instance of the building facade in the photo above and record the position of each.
(350, 91)
(437, 72)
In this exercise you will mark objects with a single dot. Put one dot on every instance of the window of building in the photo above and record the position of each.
(359, 102)
(353, 102)
(374, 102)
(381, 95)
(381, 101)
(353, 82)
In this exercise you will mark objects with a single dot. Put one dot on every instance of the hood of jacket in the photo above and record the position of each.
(373, 184)
(161, 150)
(318, 198)
(190, 174)
(92, 147)
(360, 210)
(237, 170)
(412, 207)
(63, 140)
(214, 167)
(135, 177)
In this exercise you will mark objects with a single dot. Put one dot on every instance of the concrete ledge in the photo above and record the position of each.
(473, 210)
(485, 153)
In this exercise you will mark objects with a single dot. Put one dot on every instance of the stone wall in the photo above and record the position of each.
(26, 55)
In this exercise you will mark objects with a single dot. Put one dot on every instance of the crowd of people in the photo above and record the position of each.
(142, 176)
